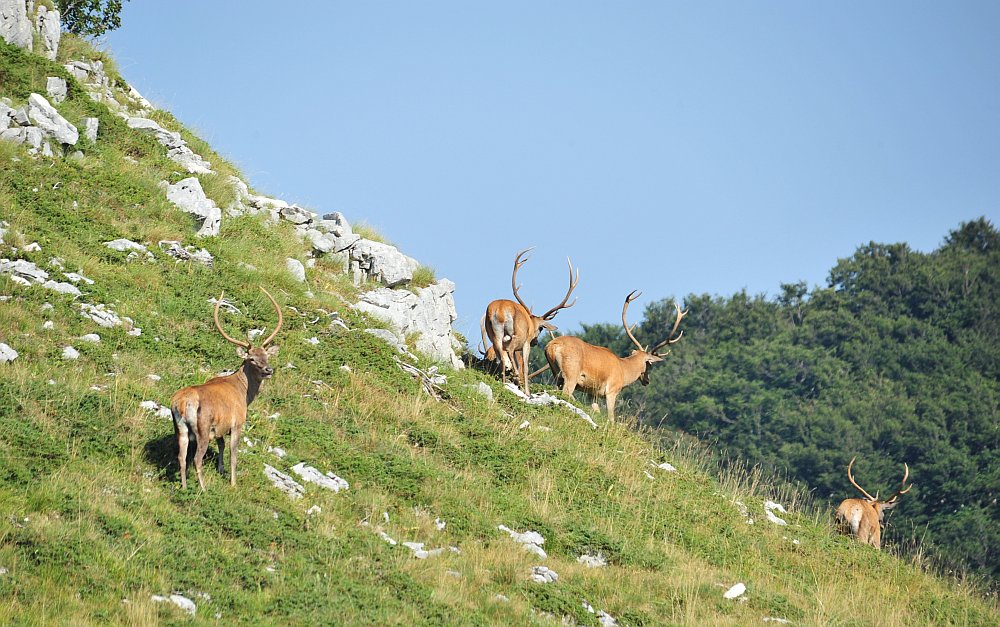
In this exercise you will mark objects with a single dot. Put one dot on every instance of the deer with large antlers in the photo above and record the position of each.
(219, 406)
(864, 516)
(512, 328)
(599, 371)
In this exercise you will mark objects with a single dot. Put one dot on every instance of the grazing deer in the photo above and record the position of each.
(599, 371)
(219, 406)
(514, 328)
(864, 516)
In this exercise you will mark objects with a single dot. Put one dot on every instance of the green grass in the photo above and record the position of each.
(93, 521)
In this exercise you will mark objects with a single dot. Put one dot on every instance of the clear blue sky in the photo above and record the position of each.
(672, 147)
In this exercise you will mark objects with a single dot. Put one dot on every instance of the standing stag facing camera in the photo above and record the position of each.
(219, 406)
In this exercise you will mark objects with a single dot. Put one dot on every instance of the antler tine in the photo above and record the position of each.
(518, 262)
(855, 484)
(906, 474)
(634, 294)
(551, 313)
(218, 325)
(677, 322)
(281, 318)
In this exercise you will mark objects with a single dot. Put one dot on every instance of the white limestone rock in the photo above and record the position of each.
(329, 481)
(180, 601)
(70, 353)
(543, 574)
(381, 263)
(7, 354)
(430, 312)
(296, 269)
(188, 196)
(189, 253)
(90, 128)
(593, 561)
(284, 482)
(531, 541)
(177, 149)
(15, 26)
(56, 88)
(49, 31)
(45, 116)
(735, 592)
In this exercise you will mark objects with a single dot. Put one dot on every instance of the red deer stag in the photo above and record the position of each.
(599, 371)
(219, 406)
(514, 328)
(864, 516)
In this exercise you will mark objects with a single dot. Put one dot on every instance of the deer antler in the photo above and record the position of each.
(551, 313)
(906, 474)
(634, 294)
(281, 318)
(218, 325)
(677, 322)
(518, 262)
(854, 483)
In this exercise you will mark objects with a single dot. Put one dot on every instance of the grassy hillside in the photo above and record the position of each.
(93, 522)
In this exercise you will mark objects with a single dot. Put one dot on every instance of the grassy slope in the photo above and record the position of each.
(92, 521)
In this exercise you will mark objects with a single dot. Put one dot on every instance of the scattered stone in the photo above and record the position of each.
(7, 354)
(607, 620)
(329, 481)
(101, 314)
(182, 602)
(735, 592)
(531, 541)
(71, 353)
(76, 277)
(345, 368)
(277, 452)
(484, 389)
(151, 377)
(297, 270)
(123, 245)
(389, 337)
(48, 119)
(543, 574)
(502, 598)
(312, 340)
(312, 511)
(62, 288)
(593, 561)
(33, 247)
(544, 398)
(23, 272)
(92, 337)
(284, 482)
(780, 621)
(189, 253)
(769, 509)
(161, 411)
(90, 128)
(440, 524)
(453, 573)
(48, 325)
(56, 88)
(524, 425)
(420, 553)
(665, 466)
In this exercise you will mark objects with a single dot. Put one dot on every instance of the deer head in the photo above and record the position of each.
(651, 356)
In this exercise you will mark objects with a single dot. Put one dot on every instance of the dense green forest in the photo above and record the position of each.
(895, 360)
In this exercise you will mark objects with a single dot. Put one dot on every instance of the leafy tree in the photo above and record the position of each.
(90, 18)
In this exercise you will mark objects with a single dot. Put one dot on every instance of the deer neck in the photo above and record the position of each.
(633, 366)
(249, 379)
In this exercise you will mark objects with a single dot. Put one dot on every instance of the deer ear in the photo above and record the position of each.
(271, 351)
(241, 352)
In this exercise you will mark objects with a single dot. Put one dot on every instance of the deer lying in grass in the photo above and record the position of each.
(599, 371)
(219, 406)
(864, 516)
(514, 328)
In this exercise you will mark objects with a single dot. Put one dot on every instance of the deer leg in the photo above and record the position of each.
(523, 364)
(181, 431)
(221, 443)
(611, 397)
(199, 457)
(234, 442)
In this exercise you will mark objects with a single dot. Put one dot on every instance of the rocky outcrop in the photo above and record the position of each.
(49, 30)
(427, 312)
(177, 149)
(15, 27)
(188, 196)
(34, 123)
